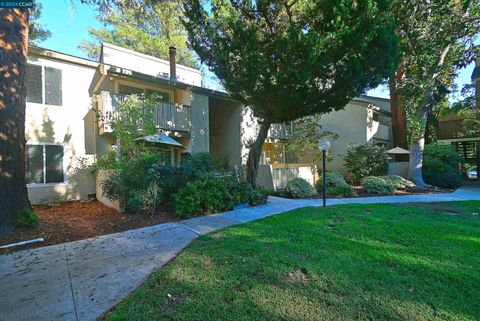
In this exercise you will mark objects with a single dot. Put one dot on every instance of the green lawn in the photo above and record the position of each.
(349, 262)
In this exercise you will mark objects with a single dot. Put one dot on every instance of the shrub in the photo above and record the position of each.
(441, 166)
(332, 179)
(399, 182)
(171, 179)
(26, 219)
(366, 160)
(377, 185)
(341, 190)
(300, 188)
(258, 196)
(210, 194)
(336, 185)
(131, 183)
(206, 195)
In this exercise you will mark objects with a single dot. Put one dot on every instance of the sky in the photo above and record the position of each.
(69, 20)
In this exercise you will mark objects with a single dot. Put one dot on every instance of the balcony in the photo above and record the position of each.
(167, 116)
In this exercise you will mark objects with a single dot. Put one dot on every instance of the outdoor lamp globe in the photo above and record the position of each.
(324, 145)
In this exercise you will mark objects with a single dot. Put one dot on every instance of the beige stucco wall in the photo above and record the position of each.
(225, 119)
(63, 125)
(351, 126)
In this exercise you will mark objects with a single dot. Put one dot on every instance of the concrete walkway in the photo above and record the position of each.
(82, 280)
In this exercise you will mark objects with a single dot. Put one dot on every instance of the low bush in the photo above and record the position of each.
(366, 160)
(26, 219)
(258, 196)
(300, 188)
(332, 179)
(342, 190)
(336, 185)
(399, 182)
(210, 194)
(441, 166)
(377, 185)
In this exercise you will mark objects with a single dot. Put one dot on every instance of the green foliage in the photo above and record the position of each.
(305, 135)
(106, 161)
(26, 219)
(366, 160)
(257, 196)
(134, 118)
(399, 182)
(171, 179)
(278, 58)
(441, 166)
(149, 27)
(131, 183)
(378, 185)
(343, 262)
(300, 188)
(336, 185)
(37, 32)
(341, 190)
(210, 194)
(332, 179)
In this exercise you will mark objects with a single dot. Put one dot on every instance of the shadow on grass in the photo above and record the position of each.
(349, 262)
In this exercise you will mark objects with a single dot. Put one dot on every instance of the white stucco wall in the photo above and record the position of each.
(135, 61)
(63, 125)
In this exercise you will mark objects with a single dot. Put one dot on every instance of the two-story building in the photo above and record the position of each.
(70, 101)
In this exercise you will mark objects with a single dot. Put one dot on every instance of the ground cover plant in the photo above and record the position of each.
(348, 262)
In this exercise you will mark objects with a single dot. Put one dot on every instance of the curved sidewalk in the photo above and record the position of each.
(81, 280)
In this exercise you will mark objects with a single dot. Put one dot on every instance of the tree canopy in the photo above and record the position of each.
(37, 31)
(437, 37)
(149, 27)
(287, 59)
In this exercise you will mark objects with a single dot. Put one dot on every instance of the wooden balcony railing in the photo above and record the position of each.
(167, 116)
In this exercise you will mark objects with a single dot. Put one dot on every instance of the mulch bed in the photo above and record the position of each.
(70, 221)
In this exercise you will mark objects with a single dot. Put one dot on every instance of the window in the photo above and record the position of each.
(44, 85)
(129, 90)
(44, 164)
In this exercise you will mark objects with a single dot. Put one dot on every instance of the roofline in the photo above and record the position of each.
(372, 97)
(122, 72)
(52, 54)
(106, 44)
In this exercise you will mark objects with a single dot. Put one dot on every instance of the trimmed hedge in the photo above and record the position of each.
(378, 185)
(336, 185)
(399, 182)
(300, 188)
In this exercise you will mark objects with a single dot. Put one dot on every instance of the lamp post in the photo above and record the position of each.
(324, 145)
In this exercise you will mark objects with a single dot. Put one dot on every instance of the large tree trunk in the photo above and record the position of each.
(417, 144)
(13, 58)
(399, 118)
(255, 152)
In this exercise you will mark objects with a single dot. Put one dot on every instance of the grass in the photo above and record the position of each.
(348, 262)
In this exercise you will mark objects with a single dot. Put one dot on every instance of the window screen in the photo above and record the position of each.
(34, 164)
(54, 162)
(160, 95)
(34, 84)
(127, 90)
(53, 86)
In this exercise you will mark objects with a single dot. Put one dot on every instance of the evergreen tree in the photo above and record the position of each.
(149, 27)
(287, 59)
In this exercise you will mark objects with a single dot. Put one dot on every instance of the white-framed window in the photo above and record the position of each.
(44, 163)
(44, 85)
